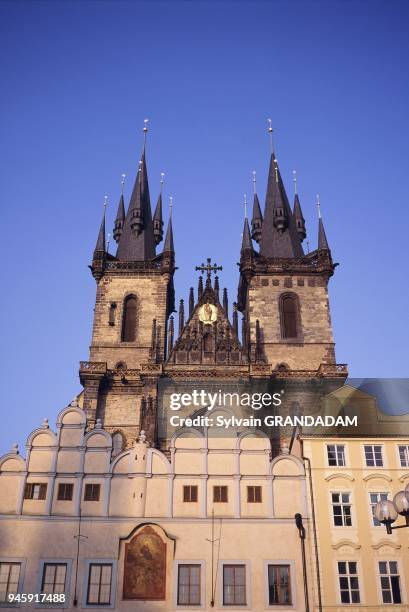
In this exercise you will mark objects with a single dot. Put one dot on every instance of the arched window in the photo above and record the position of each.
(129, 320)
(117, 443)
(289, 316)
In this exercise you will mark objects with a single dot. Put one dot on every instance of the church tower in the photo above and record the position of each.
(134, 299)
(283, 292)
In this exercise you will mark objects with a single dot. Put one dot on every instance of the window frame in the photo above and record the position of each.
(406, 447)
(190, 566)
(254, 489)
(86, 487)
(364, 446)
(88, 564)
(342, 504)
(65, 484)
(202, 565)
(220, 590)
(373, 504)
(293, 585)
(336, 446)
(190, 488)
(22, 562)
(67, 588)
(126, 299)
(298, 324)
(400, 576)
(348, 576)
(42, 493)
(220, 501)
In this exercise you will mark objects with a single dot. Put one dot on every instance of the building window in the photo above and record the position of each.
(53, 580)
(289, 315)
(65, 491)
(92, 492)
(35, 490)
(117, 443)
(373, 455)
(220, 494)
(99, 584)
(336, 454)
(9, 578)
(341, 509)
(279, 585)
(254, 495)
(390, 582)
(129, 320)
(189, 585)
(404, 455)
(348, 582)
(112, 311)
(190, 493)
(374, 499)
(234, 585)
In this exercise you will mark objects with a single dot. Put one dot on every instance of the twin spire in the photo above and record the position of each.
(136, 232)
(281, 230)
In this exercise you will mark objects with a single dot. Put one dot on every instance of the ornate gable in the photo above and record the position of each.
(208, 337)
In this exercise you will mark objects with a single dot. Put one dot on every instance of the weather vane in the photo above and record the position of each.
(295, 181)
(122, 183)
(254, 182)
(270, 131)
(105, 203)
(162, 180)
(245, 205)
(170, 206)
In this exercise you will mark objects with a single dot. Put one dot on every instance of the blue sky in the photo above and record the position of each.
(78, 78)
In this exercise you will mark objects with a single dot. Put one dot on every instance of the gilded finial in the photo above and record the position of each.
(318, 206)
(270, 132)
(276, 169)
(254, 182)
(245, 205)
(105, 203)
(295, 181)
(162, 180)
(145, 130)
(170, 206)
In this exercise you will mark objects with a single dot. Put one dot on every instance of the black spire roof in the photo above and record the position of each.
(246, 244)
(299, 219)
(120, 219)
(169, 245)
(257, 219)
(322, 237)
(158, 221)
(137, 242)
(100, 245)
(276, 240)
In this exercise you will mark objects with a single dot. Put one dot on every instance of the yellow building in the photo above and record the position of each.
(359, 563)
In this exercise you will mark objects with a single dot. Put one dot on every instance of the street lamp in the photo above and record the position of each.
(387, 511)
